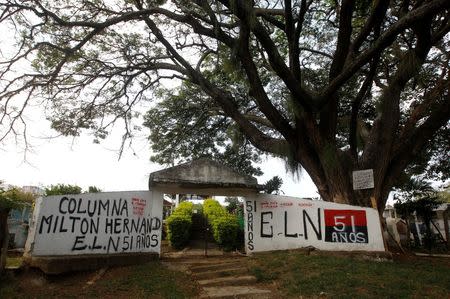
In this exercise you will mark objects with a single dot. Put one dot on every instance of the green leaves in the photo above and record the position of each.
(188, 125)
(179, 225)
(224, 225)
(15, 198)
(62, 189)
(273, 186)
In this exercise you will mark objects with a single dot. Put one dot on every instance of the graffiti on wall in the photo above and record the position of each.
(276, 222)
(98, 223)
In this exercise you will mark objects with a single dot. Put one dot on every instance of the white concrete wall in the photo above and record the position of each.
(279, 223)
(96, 223)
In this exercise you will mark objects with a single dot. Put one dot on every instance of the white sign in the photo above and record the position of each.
(363, 179)
(279, 223)
(96, 223)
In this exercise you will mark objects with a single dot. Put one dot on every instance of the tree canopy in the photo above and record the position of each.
(62, 189)
(14, 198)
(331, 86)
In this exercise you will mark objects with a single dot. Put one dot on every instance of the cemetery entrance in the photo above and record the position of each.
(206, 179)
(89, 231)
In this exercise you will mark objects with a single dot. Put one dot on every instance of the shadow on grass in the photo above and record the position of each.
(298, 274)
(149, 280)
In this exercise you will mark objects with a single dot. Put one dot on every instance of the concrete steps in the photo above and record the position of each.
(215, 266)
(219, 276)
(235, 292)
(223, 281)
(226, 271)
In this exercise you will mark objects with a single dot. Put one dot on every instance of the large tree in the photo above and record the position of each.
(333, 86)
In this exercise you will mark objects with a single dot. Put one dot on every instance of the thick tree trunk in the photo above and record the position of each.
(337, 184)
(4, 236)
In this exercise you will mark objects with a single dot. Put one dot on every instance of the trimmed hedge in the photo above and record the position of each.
(212, 209)
(184, 208)
(225, 231)
(224, 225)
(179, 225)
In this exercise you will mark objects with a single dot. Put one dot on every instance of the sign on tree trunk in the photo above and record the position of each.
(363, 179)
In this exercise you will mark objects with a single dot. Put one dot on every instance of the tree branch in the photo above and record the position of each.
(411, 18)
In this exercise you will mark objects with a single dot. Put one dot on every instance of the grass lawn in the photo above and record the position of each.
(150, 280)
(296, 274)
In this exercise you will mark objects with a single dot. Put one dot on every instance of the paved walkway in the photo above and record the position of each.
(220, 275)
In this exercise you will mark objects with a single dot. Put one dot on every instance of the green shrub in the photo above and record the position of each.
(225, 231)
(224, 225)
(179, 225)
(212, 209)
(184, 208)
(178, 230)
(198, 207)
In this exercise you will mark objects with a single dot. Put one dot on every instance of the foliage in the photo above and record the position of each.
(178, 230)
(179, 225)
(14, 198)
(444, 195)
(234, 205)
(184, 208)
(198, 207)
(212, 209)
(225, 231)
(200, 130)
(420, 198)
(329, 86)
(62, 189)
(224, 225)
(273, 186)
(94, 189)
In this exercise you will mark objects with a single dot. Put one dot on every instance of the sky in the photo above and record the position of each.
(79, 161)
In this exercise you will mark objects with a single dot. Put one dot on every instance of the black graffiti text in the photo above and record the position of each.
(116, 244)
(108, 207)
(250, 207)
(133, 225)
(308, 225)
(62, 224)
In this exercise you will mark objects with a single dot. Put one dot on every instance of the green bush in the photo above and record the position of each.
(178, 230)
(224, 225)
(198, 207)
(179, 225)
(212, 209)
(225, 231)
(184, 208)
